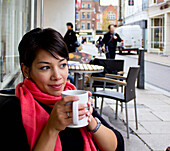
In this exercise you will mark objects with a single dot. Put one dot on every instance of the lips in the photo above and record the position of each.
(56, 87)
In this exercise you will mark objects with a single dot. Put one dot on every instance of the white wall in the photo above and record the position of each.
(167, 35)
(134, 13)
(57, 13)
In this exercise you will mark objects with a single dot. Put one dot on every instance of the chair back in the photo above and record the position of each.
(111, 66)
(131, 79)
(7, 92)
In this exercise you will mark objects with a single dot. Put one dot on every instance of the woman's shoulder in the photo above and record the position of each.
(11, 127)
(8, 100)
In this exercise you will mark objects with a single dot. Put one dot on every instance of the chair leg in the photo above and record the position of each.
(101, 108)
(127, 121)
(116, 109)
(95, 99)
(121, 106)
(136, 119)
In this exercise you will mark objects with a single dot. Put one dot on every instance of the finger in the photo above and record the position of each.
(89, 93)
(67, 99)
(90, 107)
(81, 117)
(83, 106)
(83, 112)
(89, 119)
(67, 108)
(90, 100)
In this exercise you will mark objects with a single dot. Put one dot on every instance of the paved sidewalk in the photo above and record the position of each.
(155, 58)
(153, 107)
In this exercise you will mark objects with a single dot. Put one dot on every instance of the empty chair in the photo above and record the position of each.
(127, 95)
(111, 66)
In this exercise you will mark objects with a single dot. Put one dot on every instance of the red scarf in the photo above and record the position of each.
(34, 117)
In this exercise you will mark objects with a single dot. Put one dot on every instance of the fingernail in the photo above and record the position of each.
(88, 114)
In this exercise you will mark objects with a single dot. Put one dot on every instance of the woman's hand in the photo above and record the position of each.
(61, 115)
(89, 104)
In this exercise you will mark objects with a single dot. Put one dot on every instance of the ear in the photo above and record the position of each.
(25, 70)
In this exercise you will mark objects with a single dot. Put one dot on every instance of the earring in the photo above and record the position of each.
(26, 77)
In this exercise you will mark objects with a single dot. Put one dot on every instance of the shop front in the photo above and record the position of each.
(159, 29)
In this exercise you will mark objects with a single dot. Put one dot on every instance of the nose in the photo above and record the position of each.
(56, 74)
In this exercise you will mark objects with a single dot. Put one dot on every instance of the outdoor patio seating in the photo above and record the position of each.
(124, 97)
(111, 66)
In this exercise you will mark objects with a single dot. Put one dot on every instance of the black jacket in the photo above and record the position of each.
(70, 39)
(113, 43)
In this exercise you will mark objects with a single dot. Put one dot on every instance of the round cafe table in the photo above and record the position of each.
(83, 69)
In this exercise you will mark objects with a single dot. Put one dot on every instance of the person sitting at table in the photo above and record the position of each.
(71, 78)
(37, 118)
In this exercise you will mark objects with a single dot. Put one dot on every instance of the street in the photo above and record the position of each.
(155, 74)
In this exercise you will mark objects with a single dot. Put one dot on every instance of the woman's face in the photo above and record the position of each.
(49, 74)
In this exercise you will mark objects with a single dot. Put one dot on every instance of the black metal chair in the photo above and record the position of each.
(124, 97)
(111, 66)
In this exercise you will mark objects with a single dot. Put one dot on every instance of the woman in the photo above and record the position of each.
(38, 120)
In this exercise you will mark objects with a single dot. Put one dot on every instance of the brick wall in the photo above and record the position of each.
(160, 1)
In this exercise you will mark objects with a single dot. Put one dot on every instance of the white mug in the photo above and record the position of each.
(83, 99)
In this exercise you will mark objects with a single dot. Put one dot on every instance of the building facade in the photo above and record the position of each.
(87, 19)
(159, 26)
(20, 16)
(109, 16)
(92, 19)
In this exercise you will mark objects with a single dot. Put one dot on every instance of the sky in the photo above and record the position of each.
(108, 2)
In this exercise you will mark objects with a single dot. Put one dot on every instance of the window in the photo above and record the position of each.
(77, 15)
(82, 26)
(88, 5)
(14, 23)
(131, 2)
(98, 25)
(111, 15)
(98, 16)
(111, 22)
(88, 15)
(88, 25)
(83, 15)
(157, 32)
(83, 5)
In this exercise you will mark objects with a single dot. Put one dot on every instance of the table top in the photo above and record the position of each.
(86, 68)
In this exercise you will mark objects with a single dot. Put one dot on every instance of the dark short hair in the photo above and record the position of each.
(47, 39)
(70, 24)
(111, 25)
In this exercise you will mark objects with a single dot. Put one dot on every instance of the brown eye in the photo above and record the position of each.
(45, 68)
(63, 65)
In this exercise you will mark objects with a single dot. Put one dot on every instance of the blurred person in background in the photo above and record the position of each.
(70, 38)
(110, 40)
